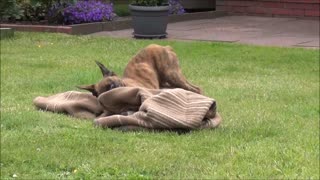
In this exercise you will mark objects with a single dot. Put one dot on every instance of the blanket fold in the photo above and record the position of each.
(133, 107)
(77, 104)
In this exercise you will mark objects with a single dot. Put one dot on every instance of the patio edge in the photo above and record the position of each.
(120, 24)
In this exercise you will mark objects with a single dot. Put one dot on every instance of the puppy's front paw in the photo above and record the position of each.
(97, 123)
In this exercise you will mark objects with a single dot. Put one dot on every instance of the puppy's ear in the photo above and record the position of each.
(105, 72)
(89, 88)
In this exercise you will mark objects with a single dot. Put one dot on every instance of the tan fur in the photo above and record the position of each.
(154, 67)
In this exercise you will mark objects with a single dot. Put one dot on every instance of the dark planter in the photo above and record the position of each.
(149, 21)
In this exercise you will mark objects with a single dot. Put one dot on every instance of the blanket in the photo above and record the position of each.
(133, 108)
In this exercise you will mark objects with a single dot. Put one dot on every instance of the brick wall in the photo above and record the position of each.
(294, 8)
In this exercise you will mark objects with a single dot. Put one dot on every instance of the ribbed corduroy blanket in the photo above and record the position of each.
(133, 107)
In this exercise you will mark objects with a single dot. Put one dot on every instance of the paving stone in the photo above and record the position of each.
(274, 41)
(270, 31)
(312, 44)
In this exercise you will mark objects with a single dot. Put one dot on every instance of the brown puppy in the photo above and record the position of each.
(154, 67)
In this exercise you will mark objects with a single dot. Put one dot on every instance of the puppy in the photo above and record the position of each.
(154, 67)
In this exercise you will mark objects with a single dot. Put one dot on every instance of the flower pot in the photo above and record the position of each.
(149, 21)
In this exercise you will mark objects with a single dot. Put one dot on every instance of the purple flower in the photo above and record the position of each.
(88, 11)
(176, 7)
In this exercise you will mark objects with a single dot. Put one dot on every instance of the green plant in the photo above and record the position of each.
(121, 9)
(55, 13)
(149, 2)
(10, 10)
(34, 11)
(29, 10)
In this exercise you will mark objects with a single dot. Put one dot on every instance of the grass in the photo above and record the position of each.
(268, 98)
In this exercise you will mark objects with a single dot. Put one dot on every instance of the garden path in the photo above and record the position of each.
(270, 31)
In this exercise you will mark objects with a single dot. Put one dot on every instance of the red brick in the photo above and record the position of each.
(293, 12)
(313, 13)
(275, 7)
(258, 10)
(48, 29)
(238, 9)
(241, 3)
(39, 28)
(302, 6)
(302, 1)
(63, 29)
(272, 4)
(36, 28)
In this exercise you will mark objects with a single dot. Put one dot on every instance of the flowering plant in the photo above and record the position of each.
(175, 7)
(55, 13)
(88, 11)
(149, 2)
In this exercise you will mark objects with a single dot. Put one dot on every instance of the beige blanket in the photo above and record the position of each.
(132, 108)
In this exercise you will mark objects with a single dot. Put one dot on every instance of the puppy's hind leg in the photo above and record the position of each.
(177, 80)
(199, 90)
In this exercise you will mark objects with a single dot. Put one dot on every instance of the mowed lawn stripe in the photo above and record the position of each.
(268, 98)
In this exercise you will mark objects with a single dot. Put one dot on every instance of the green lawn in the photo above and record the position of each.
(268, 98)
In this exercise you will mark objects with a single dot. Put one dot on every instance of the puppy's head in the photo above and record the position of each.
(110, 81)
